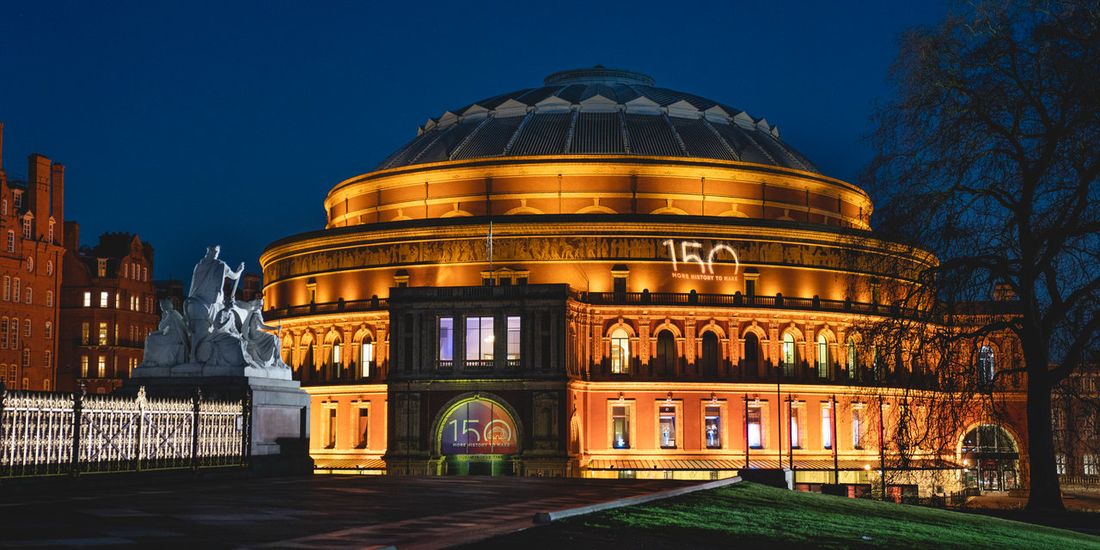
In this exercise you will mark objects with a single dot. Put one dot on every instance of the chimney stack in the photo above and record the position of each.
(72, 236)
(57, 195)
(38, 189)
(1, 146)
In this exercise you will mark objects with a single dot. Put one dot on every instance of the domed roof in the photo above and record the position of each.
(598, 111)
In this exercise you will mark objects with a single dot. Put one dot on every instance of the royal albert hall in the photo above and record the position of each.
(600, 277)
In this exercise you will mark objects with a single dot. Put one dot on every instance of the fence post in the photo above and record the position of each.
(246, 428)
(3, 397)
(78, 407)
(196, 398)
(140, 400)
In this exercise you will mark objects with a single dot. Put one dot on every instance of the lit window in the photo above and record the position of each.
(1060, 463)
(118, 299)
(789, 354)
(620, 351)
(336, 349)
(851, 349)
(479, 338)
(102, 339)
(667, 426)
(103, 298)
(513, 338)
(857, 427)
(446, 339)
(144, 274)
(367, 357)
(362, 427)
(620, 427)
(826, 426)
(101, 267)
(796, 427)
(87, 299)
(986, 365)
(712, 425)
(822, 356)
(83, 366)
(1091, 464)
(755, 428)
(85, 332)
(101, 367)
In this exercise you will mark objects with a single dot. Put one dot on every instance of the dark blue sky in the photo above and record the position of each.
(225, 122)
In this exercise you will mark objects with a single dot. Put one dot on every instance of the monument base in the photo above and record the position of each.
(280, 409)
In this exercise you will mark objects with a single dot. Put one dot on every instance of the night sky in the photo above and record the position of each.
(228, 123)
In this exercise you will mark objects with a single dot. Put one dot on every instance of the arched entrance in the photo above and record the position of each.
(991, 459)
(477, 436)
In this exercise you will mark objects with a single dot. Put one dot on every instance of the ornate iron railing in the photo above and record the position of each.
(45, 433)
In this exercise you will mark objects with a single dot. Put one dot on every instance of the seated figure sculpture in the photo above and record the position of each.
(215, 334)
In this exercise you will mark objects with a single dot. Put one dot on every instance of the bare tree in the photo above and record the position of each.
(989, 157)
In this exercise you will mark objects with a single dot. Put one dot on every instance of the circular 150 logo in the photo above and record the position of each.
(478, 426)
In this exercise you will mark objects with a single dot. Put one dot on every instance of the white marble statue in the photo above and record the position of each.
(215, 336)
(168, 345)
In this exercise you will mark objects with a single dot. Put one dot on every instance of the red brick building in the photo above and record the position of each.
(31, 211)
(108, 306)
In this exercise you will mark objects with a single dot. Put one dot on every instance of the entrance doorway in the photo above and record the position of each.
(478, 436)
(478, 465)
(991, 458)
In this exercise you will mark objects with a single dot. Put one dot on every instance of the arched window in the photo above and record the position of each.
(710, 356)
(620, 351)
(751, 361)
(337, 358)
(822, 356)
(665, 362)
(366, 357)
(789, 356)
(986, 364)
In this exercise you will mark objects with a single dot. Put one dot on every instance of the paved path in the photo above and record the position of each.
(303, 512)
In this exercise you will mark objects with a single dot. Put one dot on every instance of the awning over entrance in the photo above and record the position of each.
(799, 464)
(349, 464)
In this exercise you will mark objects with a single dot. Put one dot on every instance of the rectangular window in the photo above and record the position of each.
(756, 428)
(83, 366)
(48, 358)
(17, 290)
(26, 357)
(362, 427)
(1060, 463)
(337, 357)
(826, 426)
(712, 425)
(15, 333)
(620, 352)
(479, 339)
(85, 332)
(102, 334)
(620, 427)
(101, 268)
(446, 339)
(103, 299)
(118, 300)
(30, 294)
(1092, 466)
(857, 428)
(667, 426)
(513, 339)
(330, 427)
(11, 241)
(367, 357)
(26, 329)
(796, 427)
(87, 299)
(7, 288)
(49, 298)
(4, 333)
(101, 367)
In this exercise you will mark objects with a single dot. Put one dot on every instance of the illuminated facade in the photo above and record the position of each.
(599, 277)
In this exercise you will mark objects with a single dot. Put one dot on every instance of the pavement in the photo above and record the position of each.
(294, 512)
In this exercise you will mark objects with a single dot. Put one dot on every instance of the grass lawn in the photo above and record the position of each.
(747, 514)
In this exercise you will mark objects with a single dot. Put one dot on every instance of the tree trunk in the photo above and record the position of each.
(1045, 491)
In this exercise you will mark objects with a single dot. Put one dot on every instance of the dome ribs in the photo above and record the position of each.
(652, 135)
(542, 134)
(603, 112)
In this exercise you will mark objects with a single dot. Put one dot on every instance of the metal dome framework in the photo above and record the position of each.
(598, 111)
